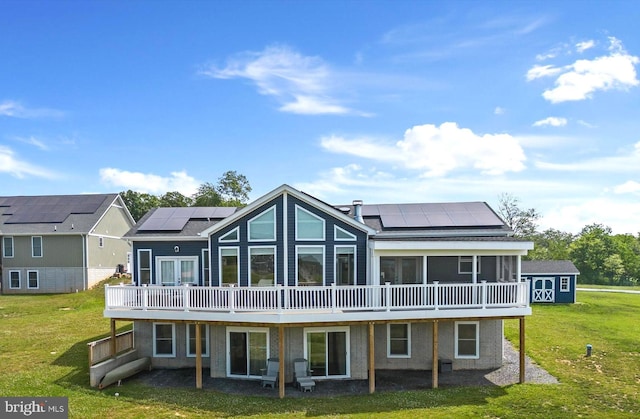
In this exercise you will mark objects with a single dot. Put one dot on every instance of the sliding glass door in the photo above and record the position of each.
(328, 351)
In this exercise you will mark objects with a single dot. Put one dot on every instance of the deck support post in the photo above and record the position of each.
(522, 360)
(282, 363)
(198, 356)
(112, 343)
(372, 362)
(434, 367)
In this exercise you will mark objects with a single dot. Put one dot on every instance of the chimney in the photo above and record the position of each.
(357, 210)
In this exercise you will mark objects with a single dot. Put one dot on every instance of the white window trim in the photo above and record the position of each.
(275, 262)
(33, 255)
(562, 287)
(355, 262)
(275, 222)
(237, 249)
(324, 225)
(345, 329)
(173, 341)
(408, 354)
(205, 350)
(335, 235)
(37, 280)
(4, 247)
(205, 260)
(469, 259)
(19, 280)
(477, 355)
(324, 261)
(222, 239)
(177, 260)
(244, 330)
(152, 279)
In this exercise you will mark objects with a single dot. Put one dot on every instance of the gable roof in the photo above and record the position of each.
(533, 267)
(54, 214)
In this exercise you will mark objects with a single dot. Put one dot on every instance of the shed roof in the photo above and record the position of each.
(532, 267)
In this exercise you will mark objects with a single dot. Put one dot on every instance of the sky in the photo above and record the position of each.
(384, 101)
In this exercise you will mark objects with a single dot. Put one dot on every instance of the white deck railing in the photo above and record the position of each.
(286, 299)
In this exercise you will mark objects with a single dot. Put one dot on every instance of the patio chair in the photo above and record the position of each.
(270, 374)
(302, 375)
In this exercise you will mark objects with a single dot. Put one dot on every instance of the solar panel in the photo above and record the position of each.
(462, 214)
(174, 219)
(49, 209)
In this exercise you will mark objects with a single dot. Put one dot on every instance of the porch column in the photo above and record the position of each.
(522, 362)
(112, 342)
(474, 269)
(282, 363)
(372, 362)
(518, 268)
(434, 368)
(198, 356)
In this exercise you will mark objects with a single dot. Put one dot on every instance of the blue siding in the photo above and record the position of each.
(187, 248)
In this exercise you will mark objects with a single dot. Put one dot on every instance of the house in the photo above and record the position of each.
(552, 281)
(61, 243)
(351, 288)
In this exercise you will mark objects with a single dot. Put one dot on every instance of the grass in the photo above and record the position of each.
(43, 352)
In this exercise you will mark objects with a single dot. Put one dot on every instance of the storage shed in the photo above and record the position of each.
(552, 281)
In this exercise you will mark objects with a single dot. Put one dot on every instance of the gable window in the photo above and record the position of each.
(564, 284)
(342, 235)
(465, 264)
(399, 340)
(310, 265)
(401, 270)
(229, 266)
(206, 279)
(100, 241)
(144, 266)
(33, 280)
(308, 226)
(467, 340)
(345, 265)
(36, 246)
(263, 227)
(164, 343)
(191, 339)
(230, 237)
(7, 247)
(14, 279)
(262, 266)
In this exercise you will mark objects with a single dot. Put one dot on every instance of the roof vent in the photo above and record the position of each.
(357, 210)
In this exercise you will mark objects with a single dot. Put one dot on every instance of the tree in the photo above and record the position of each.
(139, 203)
(234, 188)
(175, 199)
(551, 244)
(207, 196)
(590, 251)
(521, 221)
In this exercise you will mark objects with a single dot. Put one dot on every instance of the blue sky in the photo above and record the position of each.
(384, 101)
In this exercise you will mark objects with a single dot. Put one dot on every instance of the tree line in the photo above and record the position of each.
(601, 256)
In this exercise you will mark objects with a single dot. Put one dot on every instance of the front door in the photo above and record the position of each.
(178, 271)
(543, 290)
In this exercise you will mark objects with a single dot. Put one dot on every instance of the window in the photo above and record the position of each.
(308, 226)
(7, 247)
(232, 236)
(263, 227)
(467, 340)
(14, 279)
(262, 266)
(399, 340)
(191, 339)
(164, 344)
(248, 351)
(144, 267)
(229, 266)
(36, 246)
(401, 270)
(328, 351)
(310, 265)
(342, 235)
(33, 281)
(100, 241)
(565, 284)
(345, 265)
(465, 264)
(206, 279)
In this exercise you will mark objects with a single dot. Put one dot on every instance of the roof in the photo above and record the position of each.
(178, 221)
(532, 267)
(53, 214)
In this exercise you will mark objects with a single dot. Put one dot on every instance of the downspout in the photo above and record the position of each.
(85, 260)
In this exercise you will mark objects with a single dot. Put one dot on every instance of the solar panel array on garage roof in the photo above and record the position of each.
(462, 214)
(174, 219)
(48, 209)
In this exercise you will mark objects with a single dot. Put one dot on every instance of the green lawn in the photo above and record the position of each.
(43, 352)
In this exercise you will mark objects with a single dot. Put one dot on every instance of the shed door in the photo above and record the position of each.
(543, 290)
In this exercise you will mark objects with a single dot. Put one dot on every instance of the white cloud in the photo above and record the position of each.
(538, 71)
(620, 216)
(436, 151)
(625, 161)
(11, 164)
(303, 84)
(150, 183)
(552, 121)
(629, 187)
(14, 109)
(34, 142)
(499, 111)
(585, 45)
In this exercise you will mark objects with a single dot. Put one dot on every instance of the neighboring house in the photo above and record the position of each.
(61, 243)
(351, 288)
(552, 281)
